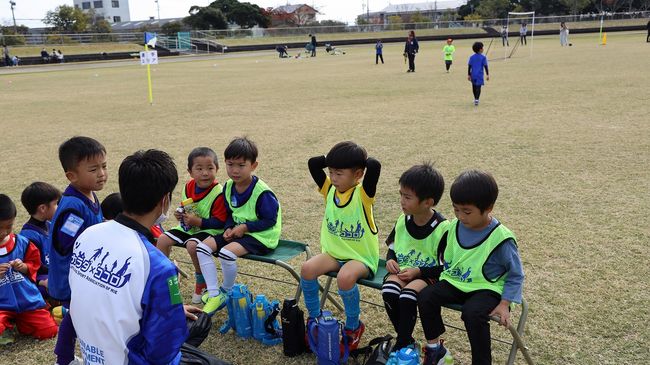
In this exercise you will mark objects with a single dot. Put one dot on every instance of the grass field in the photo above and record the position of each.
(565, 133)
(71, 49)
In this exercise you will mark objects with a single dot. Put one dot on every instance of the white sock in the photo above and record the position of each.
(209, 268)
(229, 268)
(433, 345)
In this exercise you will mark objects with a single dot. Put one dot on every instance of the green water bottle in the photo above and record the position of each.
(449, 360)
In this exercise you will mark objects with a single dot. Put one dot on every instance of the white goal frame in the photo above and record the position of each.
(532, 30)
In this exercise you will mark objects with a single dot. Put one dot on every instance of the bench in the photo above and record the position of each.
(516, 332)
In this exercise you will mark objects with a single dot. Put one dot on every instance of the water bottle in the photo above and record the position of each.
(449, 360)
(242, 302)
(408, 356)
(293, 328)
(182, 209)
(258, 313)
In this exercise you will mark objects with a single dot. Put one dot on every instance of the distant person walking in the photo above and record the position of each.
(449, 50)
(647, 39)
(564, 35)
(504, 36)
(379, 52)
(411, 48)
(313, 45)
(523, 30)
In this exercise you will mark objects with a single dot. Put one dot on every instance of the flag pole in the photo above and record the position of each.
(146, 49)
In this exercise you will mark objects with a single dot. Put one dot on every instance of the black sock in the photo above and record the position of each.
(390, 292)
(408, 310)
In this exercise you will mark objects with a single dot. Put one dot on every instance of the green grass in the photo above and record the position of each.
(565, 133)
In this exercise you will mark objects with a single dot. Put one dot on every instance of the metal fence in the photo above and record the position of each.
(137, 37)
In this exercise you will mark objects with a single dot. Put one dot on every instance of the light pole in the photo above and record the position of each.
(13, 3)
(158, 5)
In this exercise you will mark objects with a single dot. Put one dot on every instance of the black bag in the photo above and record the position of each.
(190, 355)
(199, 329)
(376, 353)
(293, 328)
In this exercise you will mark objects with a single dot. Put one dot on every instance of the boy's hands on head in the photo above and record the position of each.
(409, 274)
(503, 312)
(392, 266)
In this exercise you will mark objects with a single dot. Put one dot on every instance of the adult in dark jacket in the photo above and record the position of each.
(313, 45)
(411, 48)
(647, 39)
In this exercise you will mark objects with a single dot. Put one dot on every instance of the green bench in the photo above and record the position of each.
(516, 332)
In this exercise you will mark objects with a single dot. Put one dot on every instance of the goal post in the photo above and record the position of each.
(529, 17)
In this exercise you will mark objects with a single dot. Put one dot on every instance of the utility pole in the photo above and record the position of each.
(158, 5)
(368, 11)
(13, 3)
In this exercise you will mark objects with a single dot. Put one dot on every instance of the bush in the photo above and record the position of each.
(13, 40)
(59, 39)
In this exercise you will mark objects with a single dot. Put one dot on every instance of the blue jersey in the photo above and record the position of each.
(477, 62)
(38, 236)
(126, 306)
(74, 214)
(18, 293)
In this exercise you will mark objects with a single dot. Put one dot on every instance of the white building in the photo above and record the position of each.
(114, 11)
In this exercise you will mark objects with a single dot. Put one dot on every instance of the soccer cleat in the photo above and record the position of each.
(199, 291)
(214, 304)
(436, 356)
(354, 337)
(7, 337)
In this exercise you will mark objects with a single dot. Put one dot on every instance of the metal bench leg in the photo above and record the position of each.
(327, 295)
(518, 342)
(295, 275)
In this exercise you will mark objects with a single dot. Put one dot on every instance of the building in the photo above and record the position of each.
(432, 10)
(114, 11)
(293, 15)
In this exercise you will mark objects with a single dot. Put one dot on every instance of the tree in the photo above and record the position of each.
(468, 8)
(246, 15)
(492, 9)
(67, 19)
(170, 29)
(419, 18)
(362, 20)
(101, 26)
(575, 6)
(206, 17)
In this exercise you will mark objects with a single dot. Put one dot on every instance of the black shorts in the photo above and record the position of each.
(250, 243)
(447, 62)
(180, 237)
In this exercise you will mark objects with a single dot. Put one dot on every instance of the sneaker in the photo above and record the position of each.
(436, 356)
(7, 337)
(199, 291)
(354, 337)
(214, 304)
(75, 361)
(476, 102)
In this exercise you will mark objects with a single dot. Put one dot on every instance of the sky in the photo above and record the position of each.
(29, 12)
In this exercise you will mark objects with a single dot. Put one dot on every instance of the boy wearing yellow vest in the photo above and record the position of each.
(348, 233)
(413, 258)
(253, 225)
(203, 217)
(449, 50)
(482, 270)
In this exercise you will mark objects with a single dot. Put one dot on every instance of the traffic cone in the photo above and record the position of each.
(604, 39)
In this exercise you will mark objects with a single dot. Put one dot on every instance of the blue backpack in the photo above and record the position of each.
(324, 335)
(239, 314)
(265, 324)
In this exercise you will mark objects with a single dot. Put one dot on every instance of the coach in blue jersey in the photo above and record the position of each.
(126, 305)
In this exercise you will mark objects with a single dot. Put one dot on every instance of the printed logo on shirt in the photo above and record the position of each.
(91, 354)
(11, 277)
(99, 270)
(174, 291)
(340, 229)
(72, 225)
(459, 273)
(413, 259)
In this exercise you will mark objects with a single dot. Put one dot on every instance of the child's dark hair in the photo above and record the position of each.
(145, 178)
(77, 149)
(112, 206)
(475, 187)
(38, 193)
(241, 147)
(347, 155)
(477, 46)
(201, 152)
(7, 208)
(425, 181)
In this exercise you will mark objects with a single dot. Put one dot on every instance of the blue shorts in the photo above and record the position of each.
(250, 243)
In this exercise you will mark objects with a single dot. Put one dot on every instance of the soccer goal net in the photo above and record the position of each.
(522, 24)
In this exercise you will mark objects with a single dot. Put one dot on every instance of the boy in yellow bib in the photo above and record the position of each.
(204, 217)
(253, 225)
(412, 260)
(348, 233)
(482, 270)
